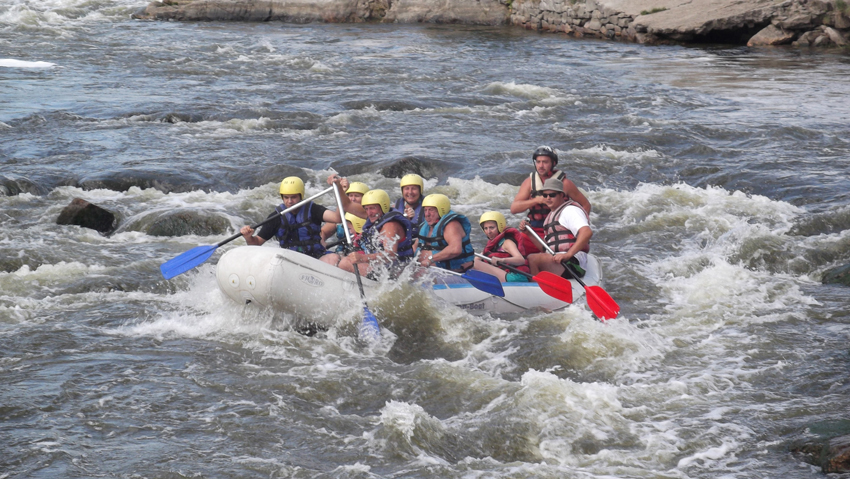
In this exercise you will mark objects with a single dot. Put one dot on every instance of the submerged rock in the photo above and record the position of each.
(11, 186)
(180, 223)
(839, 275)
(82, 213)
(832, 455)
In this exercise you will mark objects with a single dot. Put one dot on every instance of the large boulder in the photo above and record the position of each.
(181, 222)
(771, 35)
(82, 213)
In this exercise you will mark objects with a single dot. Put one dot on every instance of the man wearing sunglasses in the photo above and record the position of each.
(528, 198)
(567, 231)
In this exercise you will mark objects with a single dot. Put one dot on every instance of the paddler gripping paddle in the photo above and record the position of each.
(199, 254)
(600, 302)
(369, 329)
(551, 284)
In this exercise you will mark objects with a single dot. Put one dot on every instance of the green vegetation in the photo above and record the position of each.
(656, 9)
(842, 6)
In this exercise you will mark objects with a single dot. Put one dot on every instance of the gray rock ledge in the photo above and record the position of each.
(752, 22)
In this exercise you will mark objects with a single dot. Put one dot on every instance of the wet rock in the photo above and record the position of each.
(82, 213)
(839, 275)
(12, 186)
(836, 37)
(182, 222)
(162, 179)
(411, 164)
(771, 35)
(832, 455)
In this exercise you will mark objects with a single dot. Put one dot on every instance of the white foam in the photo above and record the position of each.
(521, 90)
(11, 63)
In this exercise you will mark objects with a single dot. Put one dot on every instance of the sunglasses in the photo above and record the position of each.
(549, 195)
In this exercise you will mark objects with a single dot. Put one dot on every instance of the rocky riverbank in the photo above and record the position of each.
(802, 23)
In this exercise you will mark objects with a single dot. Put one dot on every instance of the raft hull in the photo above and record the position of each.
(294, 283)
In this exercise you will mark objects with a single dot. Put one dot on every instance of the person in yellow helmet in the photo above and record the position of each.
(528, 198)
(443, 239)
(354, 191)
(505, 245)
(298, 230)
(386, 237)
(410, 203)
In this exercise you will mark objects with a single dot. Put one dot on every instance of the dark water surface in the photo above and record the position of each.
(719, 184)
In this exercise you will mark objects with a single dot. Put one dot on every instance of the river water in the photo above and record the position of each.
(719, 183)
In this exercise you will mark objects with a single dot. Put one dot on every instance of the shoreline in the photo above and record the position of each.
(816, 23)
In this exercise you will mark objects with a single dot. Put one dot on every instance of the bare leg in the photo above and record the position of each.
(488, 268)
(364, 268)
(543, 262)
(331, 258)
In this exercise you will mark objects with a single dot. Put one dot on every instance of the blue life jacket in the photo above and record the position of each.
(437, 242)
(418, 215)
(371, 244)
(299, 232)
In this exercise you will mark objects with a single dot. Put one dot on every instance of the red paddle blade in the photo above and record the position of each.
(555, 286)
(601, 303)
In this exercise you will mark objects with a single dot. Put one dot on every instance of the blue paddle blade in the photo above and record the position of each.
(485, 282)
(186, 261)
(369, 329)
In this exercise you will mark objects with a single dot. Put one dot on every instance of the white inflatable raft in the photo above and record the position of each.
(312, 290)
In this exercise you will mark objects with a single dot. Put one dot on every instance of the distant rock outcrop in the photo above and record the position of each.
(82, 213)
(751, 22)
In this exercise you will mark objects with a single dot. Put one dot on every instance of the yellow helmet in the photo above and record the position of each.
(412, 179)
(356, 221)
(377, 197)
(292, 186)
(357, 187)
(439, 201)
(499, 218)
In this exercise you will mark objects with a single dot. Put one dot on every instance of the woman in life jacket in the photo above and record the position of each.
(443, 239)
(298, 230)
(332, 234)
(410, 203)
(528, 197)
(504, 246)
(385, 240)
(567, 231)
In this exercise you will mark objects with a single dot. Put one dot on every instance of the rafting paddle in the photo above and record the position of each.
(369, 329)
(600, 302)
(195, 256)
(481, 280)
(551, 284)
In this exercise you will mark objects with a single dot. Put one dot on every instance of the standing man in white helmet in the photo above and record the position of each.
(298, 230)
(529, 199)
